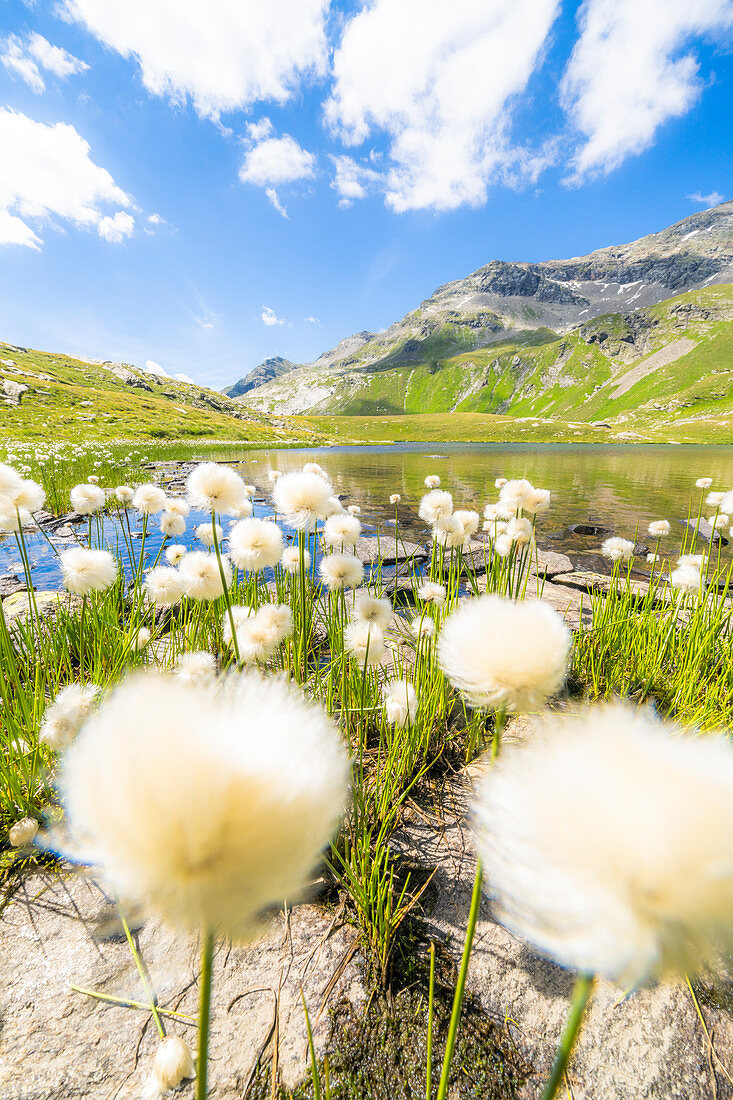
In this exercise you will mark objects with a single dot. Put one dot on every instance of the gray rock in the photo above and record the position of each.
(649, 1046)
(10, 583)
(705, 531)
(60, 932)
(549, 564)
(370, 550)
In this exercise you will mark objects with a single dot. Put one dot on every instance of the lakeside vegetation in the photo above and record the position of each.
(418, 678)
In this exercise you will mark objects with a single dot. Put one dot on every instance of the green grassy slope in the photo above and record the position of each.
(72, 400)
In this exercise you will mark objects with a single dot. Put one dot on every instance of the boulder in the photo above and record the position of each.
(705, 530)
(371, 550)
(59, 931)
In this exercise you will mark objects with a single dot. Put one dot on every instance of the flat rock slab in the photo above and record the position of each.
(371, 550)
(649, 1046)
(705, 530)
(548, 563)
(10, 583)
(62, 1044)
(18, 604)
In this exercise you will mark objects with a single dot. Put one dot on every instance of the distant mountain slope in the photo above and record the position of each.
(267, 371)
(505, 309)
(56, 397)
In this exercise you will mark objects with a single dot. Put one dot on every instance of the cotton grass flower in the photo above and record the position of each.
(302, 498)
(704, 482)
(243, 510)
(141, 638)
(400, 703)
(636, 881)
(10, 479)
(86, 498)
(354, 510)
(196, 667)
(165, 586)
(618, 549)
(468, 519)
(314, 468)
(422, 626)
(686, 578)
(432, 482)
(696, 560)
(365, 643)
(719, 521)
(505, 655)
(434, 506)
(149, 499)
(714, 499)
(341, 571)
(500, 481)
(237, 614)
(175, 554)
(449, 532)
(659, 528)
(260, 633)
(65, 716)
(205, 806)
(519, 530)
(340, 531)
(200, 573)
(23, 832)
(124, 494)
(395, 498)
(214, 488)
(173, 1064)
(519, 495)
(431, 592)
(84, 571)
(291, 559)
(171, 525)
(177, 505)
(369, 609)
(205, 533)
(93, 479)
(255, 544)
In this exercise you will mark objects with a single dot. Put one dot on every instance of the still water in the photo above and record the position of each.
(621, 487)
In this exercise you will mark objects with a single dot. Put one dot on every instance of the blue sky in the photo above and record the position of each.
(202, 185)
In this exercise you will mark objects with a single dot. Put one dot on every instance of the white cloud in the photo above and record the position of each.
(26, 57)
(155, 368)
(46, 173)
(115, 228)
(353, 180)
(312, 320)
(707, 200)
(627, 74)
(184, 378)
(223, 54)
(438, 79)
(269, 317)
(273, 197)
(277, 160)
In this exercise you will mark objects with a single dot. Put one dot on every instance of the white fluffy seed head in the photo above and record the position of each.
(172, 525)
(500, 481)
(291, 559)
(260, 633)
(177, 505)
(719, 521)
(354, 510)
(124, 494)
(93, 479)
(434, 506)
(517, 494)
(86, 498)
(341, 571)
(244, 510)
(449, 532)
(341, 530)
(637, 880)
(314, 468)
(141, 639)
(10, 479)
(175, 554)
(395, 498)
(696, 560)
(23, 832)
(205, 533)
(618, 549)
(302, 498)
(200, 573)
(422, 626)
(84, 571)
(519, 530)
(494, 513)
(431, 592)
(432, 482)
(165, 586)
(505, 655)
(726, 504)
(658, 528)
(239, 614)
(255, 544)
(686, 578)
(149, 499)
(714, 499)
(365, 643)
(215, 488)
(65, 716)
(27, 498)
(400, 702)
(468, 519)
(502, 545)
(368, 609)
(173, 1064)
(196, 667)
(220, 814)
(704, 482)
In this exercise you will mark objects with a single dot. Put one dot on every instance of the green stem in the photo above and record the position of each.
(499, 723)
(142, 973)
(431, 990)
(460, 985)
(581, 996)
(207, 961)
(225, 590)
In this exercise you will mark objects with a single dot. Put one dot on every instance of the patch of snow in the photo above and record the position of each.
(692, 233)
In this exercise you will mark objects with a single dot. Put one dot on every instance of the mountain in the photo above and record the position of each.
(49, 396)
(590, 336)
(267, 371)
